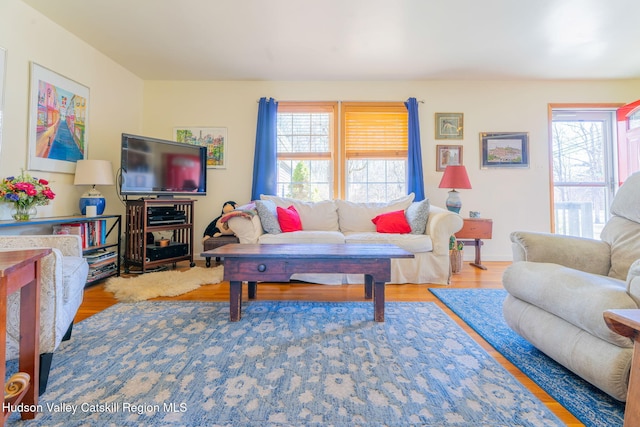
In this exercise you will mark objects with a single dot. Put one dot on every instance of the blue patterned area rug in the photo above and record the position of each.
(283, 364)
(482, 310)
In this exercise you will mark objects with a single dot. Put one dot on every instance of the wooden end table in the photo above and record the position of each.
(277, 262)
(626, 322)
(476, 229)
(20, 270)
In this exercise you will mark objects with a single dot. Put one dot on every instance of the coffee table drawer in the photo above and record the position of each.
(256, 270)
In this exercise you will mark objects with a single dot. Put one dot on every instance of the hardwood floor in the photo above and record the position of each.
(97, 299)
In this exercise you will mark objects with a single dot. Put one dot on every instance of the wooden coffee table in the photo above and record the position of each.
(276, 263)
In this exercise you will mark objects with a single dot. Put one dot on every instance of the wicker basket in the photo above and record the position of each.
(455, 260)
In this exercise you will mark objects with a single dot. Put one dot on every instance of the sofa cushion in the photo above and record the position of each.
(289, 219)
(556, 289)
(414, 243)
(418, 215)
(74, 271)
(322, 216)
(303, 237)
(392, 222)
(625, 203)
(623, 236)
(268, 216)
(356, 217)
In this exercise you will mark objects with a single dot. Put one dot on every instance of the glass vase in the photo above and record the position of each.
(23, 213)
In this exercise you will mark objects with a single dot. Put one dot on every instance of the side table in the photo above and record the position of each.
(216, 242)
(626, 322)
(20, 270)
(476, 229)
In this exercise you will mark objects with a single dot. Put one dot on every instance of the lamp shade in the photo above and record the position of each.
(455, 176)
(93, 172)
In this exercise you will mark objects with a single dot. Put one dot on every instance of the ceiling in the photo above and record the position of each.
(359, 39)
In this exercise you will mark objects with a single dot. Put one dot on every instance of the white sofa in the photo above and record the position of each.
(559, 286)
(63, 277)
(342, 222)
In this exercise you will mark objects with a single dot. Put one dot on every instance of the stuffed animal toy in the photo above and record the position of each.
(217, 228)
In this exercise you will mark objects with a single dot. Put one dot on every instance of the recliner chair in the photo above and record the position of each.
(559, 286)
(63, 277)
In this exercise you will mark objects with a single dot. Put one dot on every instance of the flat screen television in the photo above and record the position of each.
(155, 167)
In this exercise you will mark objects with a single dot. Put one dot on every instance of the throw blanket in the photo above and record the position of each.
(245, 211)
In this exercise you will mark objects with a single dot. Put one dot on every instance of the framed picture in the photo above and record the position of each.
(214, 138)
(504, 149)
(3, 61)
(58, 121)
(449, 125)
(448, 155)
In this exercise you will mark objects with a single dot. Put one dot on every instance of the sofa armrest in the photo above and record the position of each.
(247, 230)
(441, 224)
(69, 245)
(589, 255)
(633, 282)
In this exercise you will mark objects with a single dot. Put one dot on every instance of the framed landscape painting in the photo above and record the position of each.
(214, 138)
(504, 149)
(58, 120)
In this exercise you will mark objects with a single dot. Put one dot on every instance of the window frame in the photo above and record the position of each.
(338, 155)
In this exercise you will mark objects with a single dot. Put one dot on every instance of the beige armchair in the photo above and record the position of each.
(558, 288)
(63, 277)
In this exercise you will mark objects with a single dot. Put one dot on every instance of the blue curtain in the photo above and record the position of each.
(265, 158)
(414, 165)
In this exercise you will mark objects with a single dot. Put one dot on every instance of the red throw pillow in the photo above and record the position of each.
(289, 219)
(392, 222)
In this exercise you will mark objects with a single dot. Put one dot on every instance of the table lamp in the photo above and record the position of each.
(93, 172)
(455, 176)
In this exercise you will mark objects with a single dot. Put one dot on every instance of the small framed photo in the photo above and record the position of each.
(504, 149)
(449, 125)
(214, 138)
(448, 155)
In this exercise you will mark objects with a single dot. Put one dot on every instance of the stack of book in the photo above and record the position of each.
(102, 263)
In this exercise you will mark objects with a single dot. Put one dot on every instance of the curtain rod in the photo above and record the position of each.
(419, 101)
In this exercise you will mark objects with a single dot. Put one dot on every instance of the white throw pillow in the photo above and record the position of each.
(315, 216)
(357, 216)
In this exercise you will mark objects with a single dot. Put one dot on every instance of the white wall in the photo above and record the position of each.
(121, 102)
(115, 100)
(513, 198)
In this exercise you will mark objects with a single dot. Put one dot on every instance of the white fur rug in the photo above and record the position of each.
(162, 283)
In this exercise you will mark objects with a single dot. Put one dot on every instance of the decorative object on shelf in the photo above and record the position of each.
(474, 214)
(449, 125)
(214, 138)
(93, 172)
(448, 155)
(58, 143)
(455, 176)
(455, 254)
(504, 150)
(25, 192)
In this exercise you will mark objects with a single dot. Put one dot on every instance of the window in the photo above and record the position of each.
(583, 176)
(367, 163)
(306, 138)
(375, 144)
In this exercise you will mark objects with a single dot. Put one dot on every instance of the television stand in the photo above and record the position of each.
(143, 230)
